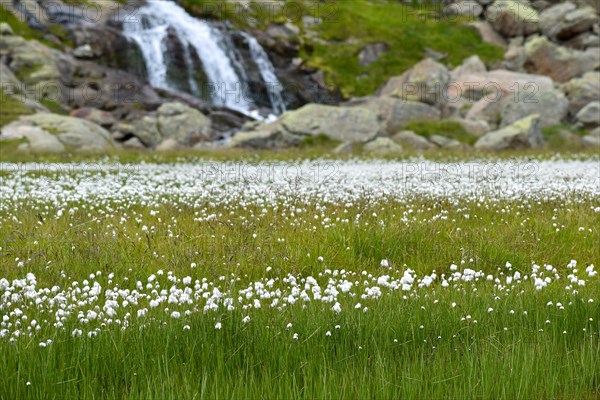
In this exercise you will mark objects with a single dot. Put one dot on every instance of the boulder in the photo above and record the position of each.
(550, 105)
(133, 143)
(5, 29)
(413, 140)
(102, 118)
(73, 133)
(524, 133)
(182, 123)
(564, 20)
(382, 145)
(589, 116)
(512, 18)
(559, 63)
(265, 136)
(344, 148)
(488, 34)
(473, 127)
(493, 85)
(146, 130)
(470, 66)
(593, 139)
(85, 51)
(37, 139)
(514, 56)
(446, 143)
(371, 53)
(393, 113)
(584, 41)
(582, 91)
(425, 82)
(467, 8)
(345, 124)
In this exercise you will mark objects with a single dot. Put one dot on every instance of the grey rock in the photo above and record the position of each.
(5, 29)
(169, 144)
(524, 133)
(393, 113)
(183, 123)
(146, 130)
(266, 136)
(471, 65)
(75, 134)
(133, 143)
(382, 145)
(38, 140)
(344, 148)
(593, 139)
(467, 8)
(473, 127)
(565, 20)
(488, 34)
(84, 52)
(512, 18)
(582, 91)
(425, 82)
(102, 118)
(559, 63)
(413, 140)
(550, 105)
(352, 124)
(371, 53)
(494, 84)
(584, 41)
(446, 143)
(589, 116)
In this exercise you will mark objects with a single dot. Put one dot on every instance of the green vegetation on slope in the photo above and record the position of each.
(55, 36)
(349, 26)
(449, 129)
(11, 108)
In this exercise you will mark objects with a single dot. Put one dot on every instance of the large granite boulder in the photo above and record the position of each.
(394, 113)
(512, 18)
(582, 91)
(183, 123)
(524, 133)
(425, 82)
(559, 63)
(382, 145)
(564, 20)
(73, 134)
(550, 105)
(589, 116)
(492, 85)
(345, 124)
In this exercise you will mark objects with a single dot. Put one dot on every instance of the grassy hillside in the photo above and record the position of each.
(349, 26)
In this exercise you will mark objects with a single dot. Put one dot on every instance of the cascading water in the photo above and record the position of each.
(226, 82)
(261, 59)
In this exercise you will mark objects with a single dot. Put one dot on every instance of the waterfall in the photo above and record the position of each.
(226, 80)
(267, 71)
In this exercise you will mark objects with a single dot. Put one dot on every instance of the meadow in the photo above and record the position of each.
(323, 278)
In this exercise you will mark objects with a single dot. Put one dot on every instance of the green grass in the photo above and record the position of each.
(55, 35)
(349, 26)
(11, 108)
(449, 129)
(381, 354)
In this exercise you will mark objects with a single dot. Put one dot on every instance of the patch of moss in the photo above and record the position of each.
(320, 140)
(11, 108)
(449, 129)
(20, 28)
(554, 130)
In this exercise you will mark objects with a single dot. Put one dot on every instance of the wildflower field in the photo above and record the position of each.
(321, 279)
